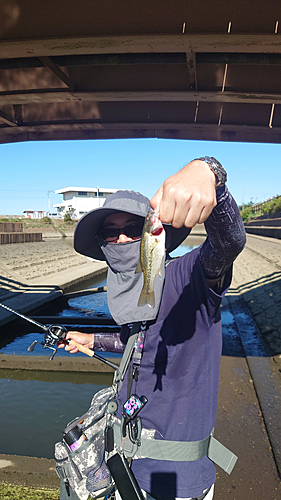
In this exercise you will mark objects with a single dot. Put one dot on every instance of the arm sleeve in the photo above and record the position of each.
(226, 236)
(108, 342)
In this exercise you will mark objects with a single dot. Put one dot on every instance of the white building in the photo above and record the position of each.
(35, 214)
(81, 199)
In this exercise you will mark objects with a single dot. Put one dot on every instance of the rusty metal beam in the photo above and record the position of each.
(98, 60)
(57, 71)
(18, 114)
(61, 95)
(122, 44)
(82, 131)
(191, 70)
(5, 118)
(144, 59)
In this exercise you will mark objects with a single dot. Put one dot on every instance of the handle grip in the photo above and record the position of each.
(82, 348)
(92, 354)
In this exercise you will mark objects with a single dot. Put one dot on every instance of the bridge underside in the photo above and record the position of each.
(206, 70)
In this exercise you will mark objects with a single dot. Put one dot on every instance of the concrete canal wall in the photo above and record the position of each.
(12, 232)
(35, 273)
(268, 232)
(263, 226)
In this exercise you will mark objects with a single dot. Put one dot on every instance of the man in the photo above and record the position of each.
(179, 368)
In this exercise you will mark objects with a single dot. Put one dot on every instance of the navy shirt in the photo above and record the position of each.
(179, 375)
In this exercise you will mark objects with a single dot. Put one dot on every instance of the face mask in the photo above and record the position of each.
(121, 257)
(124, 285)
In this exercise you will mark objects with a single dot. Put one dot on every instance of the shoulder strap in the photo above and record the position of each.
(120, 372)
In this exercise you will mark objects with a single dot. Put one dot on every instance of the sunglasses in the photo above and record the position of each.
(111, 234)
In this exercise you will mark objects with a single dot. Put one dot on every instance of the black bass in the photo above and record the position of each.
(152, 251)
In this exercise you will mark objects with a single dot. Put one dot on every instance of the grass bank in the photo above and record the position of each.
(42, 225)
(10, 492)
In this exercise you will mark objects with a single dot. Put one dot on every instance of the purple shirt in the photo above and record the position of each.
(179, 375)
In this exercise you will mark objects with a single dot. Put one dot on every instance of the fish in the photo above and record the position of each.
(152, 251)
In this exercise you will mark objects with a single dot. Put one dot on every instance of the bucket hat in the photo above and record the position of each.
(85, 241)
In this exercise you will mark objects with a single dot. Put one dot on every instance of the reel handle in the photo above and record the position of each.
(31, 347)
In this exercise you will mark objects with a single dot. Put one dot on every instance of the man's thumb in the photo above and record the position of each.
(155, 201)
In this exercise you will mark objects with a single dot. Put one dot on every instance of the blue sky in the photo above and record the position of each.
(30, 169)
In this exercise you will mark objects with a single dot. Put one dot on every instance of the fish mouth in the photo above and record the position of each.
(157, 231)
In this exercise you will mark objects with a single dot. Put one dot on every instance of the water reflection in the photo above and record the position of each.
(76, 378)
(34, 413)
(87, 305)
(188, 244)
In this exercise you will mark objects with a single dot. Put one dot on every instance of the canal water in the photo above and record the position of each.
(37, 405)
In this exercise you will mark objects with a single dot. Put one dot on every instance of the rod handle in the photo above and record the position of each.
(82, 348)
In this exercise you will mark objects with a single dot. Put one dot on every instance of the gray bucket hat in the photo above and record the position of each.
(85, 241)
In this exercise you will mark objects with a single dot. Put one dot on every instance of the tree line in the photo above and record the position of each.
(270, 207)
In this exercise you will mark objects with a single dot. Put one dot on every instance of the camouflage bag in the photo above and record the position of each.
(84, 470)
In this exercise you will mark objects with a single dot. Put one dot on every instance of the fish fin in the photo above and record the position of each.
(138, 268)
(160, 269)
(146, 298)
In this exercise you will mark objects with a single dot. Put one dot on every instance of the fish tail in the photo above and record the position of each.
(146, 298)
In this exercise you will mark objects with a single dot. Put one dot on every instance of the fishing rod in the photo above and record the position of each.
(55, 334)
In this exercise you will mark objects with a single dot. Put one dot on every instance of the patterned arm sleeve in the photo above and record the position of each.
(226, 236)
(108, 342)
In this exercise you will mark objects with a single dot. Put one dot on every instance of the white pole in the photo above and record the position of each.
(49, 203)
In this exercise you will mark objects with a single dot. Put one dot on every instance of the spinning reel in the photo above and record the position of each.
(55, 334)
